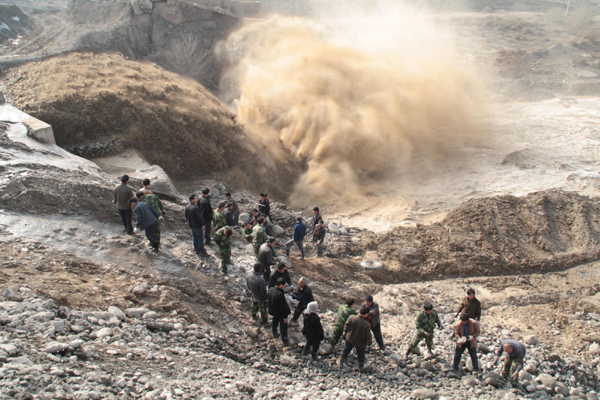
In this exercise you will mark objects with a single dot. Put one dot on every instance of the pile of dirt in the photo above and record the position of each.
(13, 22)
(501, 235)
(173, 121)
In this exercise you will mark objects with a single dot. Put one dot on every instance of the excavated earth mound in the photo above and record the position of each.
(541, 232)
(13, 22)
(173, 121)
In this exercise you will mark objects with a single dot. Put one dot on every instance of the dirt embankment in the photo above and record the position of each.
(502, 235)
(173, 121)
(13, 22)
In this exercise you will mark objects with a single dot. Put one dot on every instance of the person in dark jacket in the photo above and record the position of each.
(513, 364)
(316, 218)
(266, 257)
(313, 330)
(258, 288)
(357, 333)
(298, 238)
(123, 193)
(279, 310)
(280, 272)
(236, 208)
(466, 332)
(264, 205)
(195, 220)
(470, 305)
(304, 296)
(229, 215)
(207, 213)
(375, 321)
(146, 219)
(319, 237)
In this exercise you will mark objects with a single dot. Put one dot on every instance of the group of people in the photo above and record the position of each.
(269, 287)
(148, 210)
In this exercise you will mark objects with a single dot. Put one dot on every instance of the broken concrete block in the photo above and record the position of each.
(39, 130)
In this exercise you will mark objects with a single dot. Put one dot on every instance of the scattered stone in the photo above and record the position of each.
(530, 340)
(136, 312)
(594, 349)
(288, 361)
(547, 380)
(55, 347)
(117, 312)
(425, 394)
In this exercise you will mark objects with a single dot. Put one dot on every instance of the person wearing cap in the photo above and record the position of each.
(357, 334)
(375, 320)
(207, 213)
(247, 232)
(313, 330)
(279, 310)
(266, 257)
(426, 321)
(235, 209)
(259, 236)
(466, 332)
(515, 355)
(223, 239)
(344, 312)
(146, 219)
(298, 238)
(319, 237)
(304, 296)
(280, 272)
(121, 197)
(470, 305)
(154, 201)
(258, 287)
(218, 216)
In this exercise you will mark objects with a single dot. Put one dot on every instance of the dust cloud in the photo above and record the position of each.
(358, 100)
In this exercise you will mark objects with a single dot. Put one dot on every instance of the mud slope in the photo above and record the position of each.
(500, 235)
(173, 121)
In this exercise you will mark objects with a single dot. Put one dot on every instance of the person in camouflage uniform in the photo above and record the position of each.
(344, 312)
(223, 239)
(259, 235)
(247, 232)
(219, 218)
(426, 321)
(155, 202)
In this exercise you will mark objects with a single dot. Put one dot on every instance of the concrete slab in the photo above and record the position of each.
(39, 130)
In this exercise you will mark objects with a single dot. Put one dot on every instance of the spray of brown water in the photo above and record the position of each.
(357, 100)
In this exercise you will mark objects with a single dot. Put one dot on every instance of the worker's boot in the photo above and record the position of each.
(340, 362)
(408, 352)
(304, 351)
(361, 367)
(287, 253)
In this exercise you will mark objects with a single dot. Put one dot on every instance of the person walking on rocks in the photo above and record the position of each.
(235, 209)
(123, 193)
(344, 312)
(266, 257)
(375, 320)
(264, 205)
(313, 330)
(470, 305)
(304, 296)
(229, 215)
(426, 321)
(259, 236)
(280, 272)
(223, 239)
(319, 237)
(279, 310)
(466, 332)
(357, 334)
(298, 238)
(258, 287)
(146, 219)
(207, 213)
(155, 202)
(193, 215)
(513, 363)
(247, 232)
(218, 216)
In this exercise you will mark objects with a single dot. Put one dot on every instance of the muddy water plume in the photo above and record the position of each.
(356, 100)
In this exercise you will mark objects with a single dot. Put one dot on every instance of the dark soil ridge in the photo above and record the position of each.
(504, 235)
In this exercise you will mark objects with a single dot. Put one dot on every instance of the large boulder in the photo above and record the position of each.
(425, 394)
(547, 380)
(161, 184)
